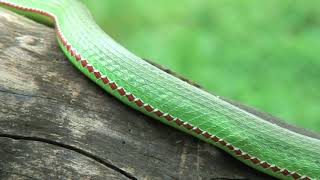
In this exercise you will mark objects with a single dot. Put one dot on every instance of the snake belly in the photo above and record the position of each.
(260, 144)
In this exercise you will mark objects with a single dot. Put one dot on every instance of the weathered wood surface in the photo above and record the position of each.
(57, 124)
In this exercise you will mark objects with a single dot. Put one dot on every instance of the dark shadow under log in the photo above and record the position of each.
(57, 124)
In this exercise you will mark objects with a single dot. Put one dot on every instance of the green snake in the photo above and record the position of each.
(260, 144)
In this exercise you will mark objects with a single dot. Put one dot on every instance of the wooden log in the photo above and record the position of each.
(57, 124)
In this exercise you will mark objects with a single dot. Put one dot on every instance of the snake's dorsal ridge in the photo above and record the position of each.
(260, 144)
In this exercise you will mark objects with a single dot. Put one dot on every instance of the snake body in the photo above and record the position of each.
(260, 144)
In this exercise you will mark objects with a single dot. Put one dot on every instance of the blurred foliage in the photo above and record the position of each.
(261, 53)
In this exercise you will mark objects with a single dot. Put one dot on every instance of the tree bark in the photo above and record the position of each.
(57, 124)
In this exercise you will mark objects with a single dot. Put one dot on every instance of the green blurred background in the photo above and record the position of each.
(262, 53)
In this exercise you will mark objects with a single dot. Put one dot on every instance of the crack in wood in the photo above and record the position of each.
(71, 148)
(42, 92)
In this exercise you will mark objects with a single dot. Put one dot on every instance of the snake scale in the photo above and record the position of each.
(262, 145)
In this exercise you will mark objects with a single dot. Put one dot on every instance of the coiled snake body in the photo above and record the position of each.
(262, 145)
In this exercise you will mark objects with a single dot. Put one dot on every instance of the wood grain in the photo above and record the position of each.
(57, 124)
